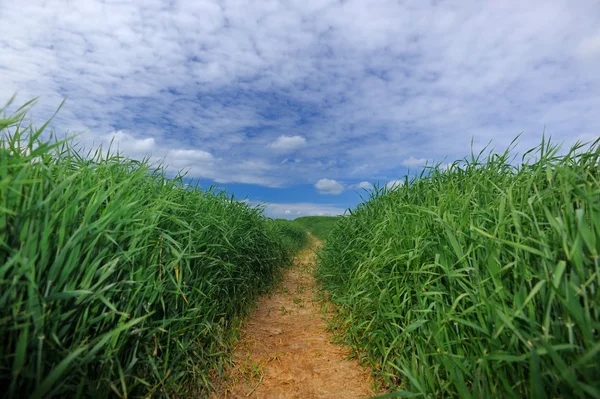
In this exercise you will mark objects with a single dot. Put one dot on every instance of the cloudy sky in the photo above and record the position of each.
(301, 104)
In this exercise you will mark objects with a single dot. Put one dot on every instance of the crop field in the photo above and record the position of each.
(477, 281)
(294, 236)
(320, 226)
(116, 280)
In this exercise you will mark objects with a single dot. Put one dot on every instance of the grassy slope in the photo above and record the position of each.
(482, 281)
(320, 226)
(294, 236)
(117, 280)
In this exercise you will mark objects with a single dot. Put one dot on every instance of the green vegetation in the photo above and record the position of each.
(320, 226)
(114, 279)
(293, 236)
(481, 281)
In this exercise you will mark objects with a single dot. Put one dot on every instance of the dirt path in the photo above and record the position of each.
(286, 351)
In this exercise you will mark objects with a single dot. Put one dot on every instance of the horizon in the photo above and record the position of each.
(304, 105)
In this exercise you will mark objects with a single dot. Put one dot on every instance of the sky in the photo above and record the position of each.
(302, 105)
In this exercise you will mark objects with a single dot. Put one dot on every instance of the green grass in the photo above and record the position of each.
(481, 281)
(294, 236)
(116, 280)
(320, 226)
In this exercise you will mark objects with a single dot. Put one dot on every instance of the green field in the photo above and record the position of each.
(480, 280)
(477, 281)
(293, 236)
(116, 280)
(320, 226)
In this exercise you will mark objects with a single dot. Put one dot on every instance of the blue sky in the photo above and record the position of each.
(301, 104)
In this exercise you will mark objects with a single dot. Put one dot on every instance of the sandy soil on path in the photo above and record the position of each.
(286, 351)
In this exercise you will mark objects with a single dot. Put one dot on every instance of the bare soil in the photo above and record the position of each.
(286, 350)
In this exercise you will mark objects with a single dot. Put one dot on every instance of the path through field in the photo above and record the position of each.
(286, 350)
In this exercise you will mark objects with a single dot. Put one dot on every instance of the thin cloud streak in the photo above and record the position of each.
(295, 210)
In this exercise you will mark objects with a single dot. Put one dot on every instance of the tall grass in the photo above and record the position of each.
(114, 279)
(482, 281)
(294, 236)
(320, 226)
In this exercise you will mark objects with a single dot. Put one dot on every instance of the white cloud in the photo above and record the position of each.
(295, 210)
(126, 142)
(412, 161)
(328, 186)
(589, 47)
(194, 162)
(288, 143)
(394, 184)
(363, 185)
(361, 85)
(190, 155)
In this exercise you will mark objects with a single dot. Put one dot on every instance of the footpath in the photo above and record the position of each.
(286, 351)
